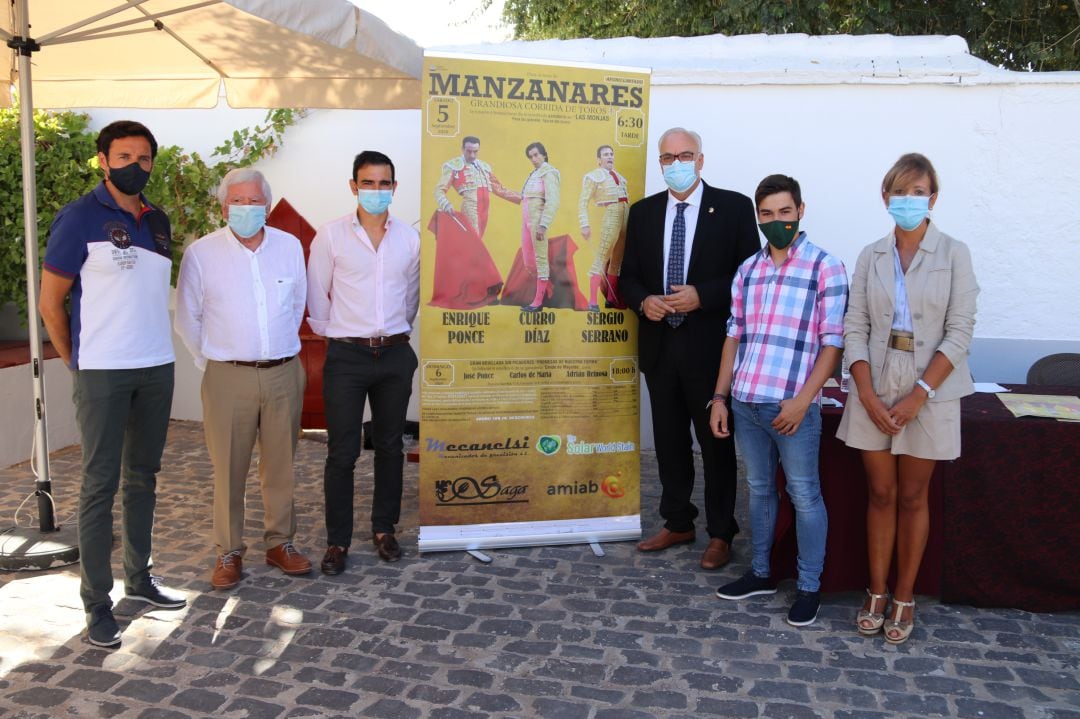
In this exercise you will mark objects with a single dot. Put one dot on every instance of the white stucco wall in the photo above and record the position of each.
(836, 117)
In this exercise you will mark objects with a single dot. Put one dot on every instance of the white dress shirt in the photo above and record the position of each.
(236, 304)
(690, 215)
(355, 290)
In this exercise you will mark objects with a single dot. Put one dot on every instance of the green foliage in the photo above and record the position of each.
(64, 148)
(182, 183)
(1016, 34)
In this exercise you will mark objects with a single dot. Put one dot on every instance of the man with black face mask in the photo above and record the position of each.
(110, 251)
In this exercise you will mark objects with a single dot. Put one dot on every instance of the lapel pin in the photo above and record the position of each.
(710, 210)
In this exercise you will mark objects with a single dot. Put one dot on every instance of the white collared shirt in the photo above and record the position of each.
(355, 290)
(690, 215)
(233, 303)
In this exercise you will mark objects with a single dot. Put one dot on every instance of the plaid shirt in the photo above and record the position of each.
(782, 317)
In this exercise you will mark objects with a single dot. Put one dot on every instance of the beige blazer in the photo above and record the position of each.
(941, 291)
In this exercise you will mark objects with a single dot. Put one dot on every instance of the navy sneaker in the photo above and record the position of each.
(804, 610)
(748, 586)
(101, 627)
(154, 592)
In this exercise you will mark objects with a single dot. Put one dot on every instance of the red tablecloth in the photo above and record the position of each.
(1004, 517)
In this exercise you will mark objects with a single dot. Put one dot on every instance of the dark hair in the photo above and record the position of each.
(602, 148)
(470, 140)
(910, 167)
(371, 157)
(774, 185)
(124, 128)
(539, 146)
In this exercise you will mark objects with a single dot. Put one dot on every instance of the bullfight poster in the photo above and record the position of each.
(529, 399)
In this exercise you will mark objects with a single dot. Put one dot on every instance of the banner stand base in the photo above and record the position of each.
(502, 535)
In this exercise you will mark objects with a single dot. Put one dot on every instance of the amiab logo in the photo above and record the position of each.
(548, 444)
(612, 486)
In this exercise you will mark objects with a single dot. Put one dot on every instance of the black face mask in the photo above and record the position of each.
(130, 180)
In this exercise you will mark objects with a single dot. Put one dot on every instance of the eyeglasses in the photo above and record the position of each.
(667, 158)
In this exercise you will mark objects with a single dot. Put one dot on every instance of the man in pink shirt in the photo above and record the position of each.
(363, 294)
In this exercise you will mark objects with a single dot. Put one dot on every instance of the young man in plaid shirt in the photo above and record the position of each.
(784, 338)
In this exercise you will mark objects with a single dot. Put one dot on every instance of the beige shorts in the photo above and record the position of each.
(933, 434)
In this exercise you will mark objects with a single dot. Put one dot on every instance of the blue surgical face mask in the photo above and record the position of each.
(374, 202)
(909, 210)
(680, 176)
(247, 220)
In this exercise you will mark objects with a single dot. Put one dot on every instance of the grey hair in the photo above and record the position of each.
(680, 131)
(239, 175)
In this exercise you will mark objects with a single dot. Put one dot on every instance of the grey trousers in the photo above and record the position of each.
(123, 417)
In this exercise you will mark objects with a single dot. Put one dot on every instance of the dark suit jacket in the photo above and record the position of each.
(726, 234)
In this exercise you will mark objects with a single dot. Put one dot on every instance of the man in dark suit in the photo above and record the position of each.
(682, 250)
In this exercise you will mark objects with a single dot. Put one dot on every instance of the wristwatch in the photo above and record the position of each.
(930, 393)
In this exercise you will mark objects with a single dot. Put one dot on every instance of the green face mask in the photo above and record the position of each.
(779, 233)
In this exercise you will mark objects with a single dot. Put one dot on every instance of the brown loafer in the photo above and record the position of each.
(333, 562)
(227, 570)
(716, 555)
(387, 547)
(286, 558)
(663, 539)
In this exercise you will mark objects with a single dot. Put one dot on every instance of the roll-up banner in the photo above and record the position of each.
(529, 398)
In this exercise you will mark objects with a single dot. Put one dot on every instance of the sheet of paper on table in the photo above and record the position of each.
(830, 402)
(992, 387)
(1062, 407)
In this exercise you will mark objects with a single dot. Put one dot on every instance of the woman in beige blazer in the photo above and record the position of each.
(910, 318)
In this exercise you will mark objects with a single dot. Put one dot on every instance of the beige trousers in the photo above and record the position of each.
(242, 405)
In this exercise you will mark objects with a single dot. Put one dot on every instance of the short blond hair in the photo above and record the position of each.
(909, 167)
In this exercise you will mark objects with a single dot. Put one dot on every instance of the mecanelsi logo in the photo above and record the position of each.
(506, 445)
(469, 491)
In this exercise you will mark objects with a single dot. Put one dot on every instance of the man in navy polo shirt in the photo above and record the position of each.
(110, 251)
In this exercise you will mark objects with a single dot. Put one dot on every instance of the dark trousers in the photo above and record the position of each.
(351, 375)
(680, 385)
(123, 417)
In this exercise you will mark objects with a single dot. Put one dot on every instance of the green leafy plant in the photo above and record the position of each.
(1014, 34)
(182, 183)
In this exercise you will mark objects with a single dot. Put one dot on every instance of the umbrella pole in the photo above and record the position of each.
(40, 552)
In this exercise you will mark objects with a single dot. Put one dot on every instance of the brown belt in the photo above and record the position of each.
(904, 343)
(613, 202)
(375, 341)
(262, 364)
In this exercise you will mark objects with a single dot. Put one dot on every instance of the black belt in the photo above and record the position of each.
(262, 364)
(387, 341)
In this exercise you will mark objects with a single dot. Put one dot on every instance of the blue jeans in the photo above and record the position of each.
(760, 446)
(123, 417)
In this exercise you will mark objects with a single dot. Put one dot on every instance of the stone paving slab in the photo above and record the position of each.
(550, 632)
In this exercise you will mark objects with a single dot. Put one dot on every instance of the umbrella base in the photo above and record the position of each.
(28, 549)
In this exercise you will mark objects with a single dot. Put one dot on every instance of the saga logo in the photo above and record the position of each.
(548, 444)
(468, 490)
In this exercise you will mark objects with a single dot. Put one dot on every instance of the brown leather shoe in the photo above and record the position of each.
(663, 539)
(387, 546)
(285, 557)
(333, 562)
(716, 555)
(227, 571)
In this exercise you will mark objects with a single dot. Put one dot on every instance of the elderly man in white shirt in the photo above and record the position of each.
(240, 302)
(363, 294)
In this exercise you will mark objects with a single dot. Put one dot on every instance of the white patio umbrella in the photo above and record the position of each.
(179, 54)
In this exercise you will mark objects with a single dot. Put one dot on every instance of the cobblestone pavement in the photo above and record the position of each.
(541, 632)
